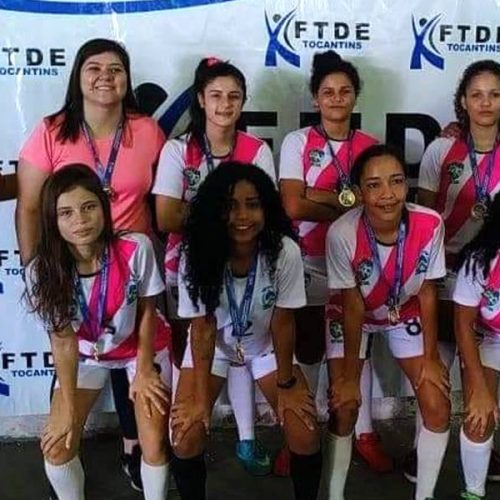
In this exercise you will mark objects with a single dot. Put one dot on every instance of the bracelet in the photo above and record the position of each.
(288, 384)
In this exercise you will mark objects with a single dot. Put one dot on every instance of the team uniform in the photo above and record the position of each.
(285, 290)
(182, 167)
(133, 273)
(446, 169)
(350, 263)
(306, 156)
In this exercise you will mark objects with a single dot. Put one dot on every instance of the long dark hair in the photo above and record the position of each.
(326, 63)
(71, 114)
(474, 69)
(207, 71)
(52, 271)
(478, 254)
(206, 242)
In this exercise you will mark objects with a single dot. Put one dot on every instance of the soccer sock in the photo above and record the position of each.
(305, 471)
(430, 452)
(67, 479)
(190, 476)
(337, 461)
(475, 459)
(364, 422)
(154, 481)
(419, 423)
(311, 373)
(241, 392)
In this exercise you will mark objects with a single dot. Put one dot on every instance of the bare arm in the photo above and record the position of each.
(203, 333)
(427, 198)
(427, 299)
(8, 187)
(30, 181)
(283, 333)
(354, 311)
(171, 214)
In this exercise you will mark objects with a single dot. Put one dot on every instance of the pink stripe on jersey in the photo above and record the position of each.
(489, 317)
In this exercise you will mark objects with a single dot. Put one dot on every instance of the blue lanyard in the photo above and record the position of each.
(481, 186)
(343, 176)
(210, 157)
(240, 315)
(396, 285)
(104, 172)
(94, 327)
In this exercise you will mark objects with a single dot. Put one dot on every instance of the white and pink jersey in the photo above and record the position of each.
(133, 273)
(446, 170)
(305, 156)
(350, 262)
(474, 290)
(183, 166)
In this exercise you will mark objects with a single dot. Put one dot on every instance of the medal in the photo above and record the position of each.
(240, 353)
(110, 192)
(479, 210)
(347, 198)
(393, 315)
(95, 350)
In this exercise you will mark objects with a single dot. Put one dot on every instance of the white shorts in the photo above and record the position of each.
(92, 375)
(446, 285)
(405, 340)
(316, 283)
(489, 351)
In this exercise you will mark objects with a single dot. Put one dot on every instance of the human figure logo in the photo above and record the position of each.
(425, 47)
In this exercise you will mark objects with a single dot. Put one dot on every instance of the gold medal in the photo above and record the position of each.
(479, 210)
(96, 351)
(393, 315)
(240, 353)
(347, 198)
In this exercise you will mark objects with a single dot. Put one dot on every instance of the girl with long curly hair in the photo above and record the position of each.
(240, 279)
(95, 291)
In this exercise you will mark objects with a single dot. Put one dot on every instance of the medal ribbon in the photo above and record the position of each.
(210, 157)
(240, 315)
(481, 186)
(396, 286)
(104, 172)
(345, 182)
(94, 323)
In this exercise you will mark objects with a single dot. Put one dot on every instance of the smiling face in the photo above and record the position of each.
(103, 79)
(336, 97)
(383, 188)
(482, 99)
(222, 99)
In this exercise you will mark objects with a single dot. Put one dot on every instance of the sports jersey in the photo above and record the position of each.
(133, 173)
(350, 262)
(183, 166)
(286, 290)
(446, 170)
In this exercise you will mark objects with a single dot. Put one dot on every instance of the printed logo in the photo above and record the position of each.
(132, 291)
(316, 157)
(364, 272)
(268, 297)
(192, 176)
(289, 36)
(433, 38)
(423, 263)
(31, 61)
(336, 332)
(491, 297)
(455, 171)
(25, 364)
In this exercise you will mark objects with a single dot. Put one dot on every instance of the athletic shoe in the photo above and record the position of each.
(409, 466)
(281, 465)
(254, 457)
(370, 449)
(131, 465)
(470, 496)
(494, 467)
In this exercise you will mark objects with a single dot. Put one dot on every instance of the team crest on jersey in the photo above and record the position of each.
(192, 176)
(423, 263)
(316, 157)
(268, 297)
(131, 291)
(364, 272)
(491, 297)
(336, 332)
(455, 171)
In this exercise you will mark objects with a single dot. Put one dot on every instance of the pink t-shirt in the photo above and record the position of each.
(133, 174)
(305, 156)
(350, 261)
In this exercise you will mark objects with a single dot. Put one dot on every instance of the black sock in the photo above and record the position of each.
(306, 473)
(190, 476)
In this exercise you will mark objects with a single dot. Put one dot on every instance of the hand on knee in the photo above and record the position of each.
(58, 454)
(192, 443)
(342, 422)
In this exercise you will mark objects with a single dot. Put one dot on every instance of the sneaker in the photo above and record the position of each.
(369, 447)
(409, 466)
(281, 466)
(254, 457)
(470, 496)
(494, 467)
(131, 465)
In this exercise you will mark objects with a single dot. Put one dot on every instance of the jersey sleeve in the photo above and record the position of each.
(291, 166)
(265, 161)
(169, 174)
(37, 150)
(149, 282)
(468, 288)
(338, 262)
(437, 265)
(290, 282)
(186, 308)
(430, 166)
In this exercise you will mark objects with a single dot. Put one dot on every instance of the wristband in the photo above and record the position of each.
(288, 384)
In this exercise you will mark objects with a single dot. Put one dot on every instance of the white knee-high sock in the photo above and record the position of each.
(430, 452)
(475, 459)
(364, 422)
(311, 373)
(338, 451)
(419, 423)
(154, 481)
(241, 392)
(67, 479)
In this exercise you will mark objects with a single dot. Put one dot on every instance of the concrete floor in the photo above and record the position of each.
(22, 478)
